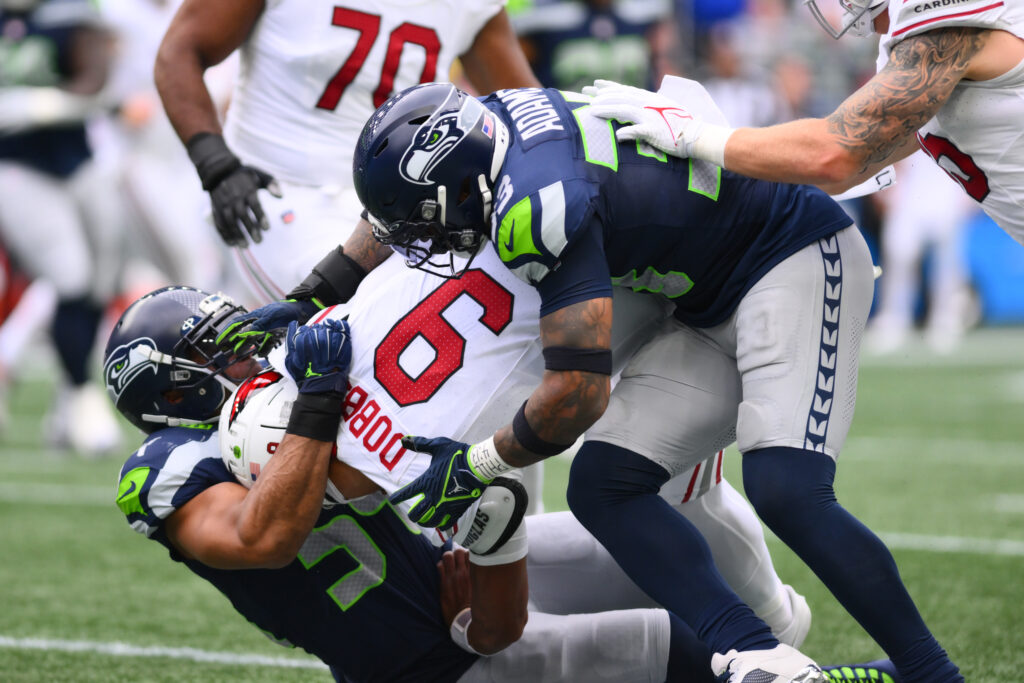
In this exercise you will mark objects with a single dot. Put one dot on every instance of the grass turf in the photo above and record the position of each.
(934, 460)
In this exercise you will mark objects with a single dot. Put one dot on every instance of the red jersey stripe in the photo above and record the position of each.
(947, 16)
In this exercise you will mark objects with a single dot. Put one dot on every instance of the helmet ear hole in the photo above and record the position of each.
(174, 396)
(464, 191)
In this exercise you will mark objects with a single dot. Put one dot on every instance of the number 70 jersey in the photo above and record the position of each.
(434, 357)
(312, 72)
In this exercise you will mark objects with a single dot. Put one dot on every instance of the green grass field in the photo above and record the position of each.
(934, 464)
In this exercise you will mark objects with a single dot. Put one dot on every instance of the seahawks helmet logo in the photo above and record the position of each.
(437, 137)
(125, 363)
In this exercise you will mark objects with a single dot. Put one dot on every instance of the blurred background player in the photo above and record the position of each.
(58, 218)
(570, 43)
(311, 74)
(924, 214)
(161, 196)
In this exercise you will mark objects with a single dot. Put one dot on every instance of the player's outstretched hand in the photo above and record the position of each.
(656, 120)
(447, 488)
(232, 188)
(264, 326)
(318, 356)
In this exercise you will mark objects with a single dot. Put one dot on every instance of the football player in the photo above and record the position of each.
(166, 375)
(57, 216)
(950, 80)
(311, 74)
(771, 286)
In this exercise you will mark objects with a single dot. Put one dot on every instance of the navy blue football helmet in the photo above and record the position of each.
(424, 169)
(162, 366)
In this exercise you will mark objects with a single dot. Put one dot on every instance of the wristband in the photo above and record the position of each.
(212, 158)
(460, 630)
(333, 280)
(316, 416)
(530, 440)
(710, 143)
(485, 462)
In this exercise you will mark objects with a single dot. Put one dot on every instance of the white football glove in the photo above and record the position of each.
(658, 121)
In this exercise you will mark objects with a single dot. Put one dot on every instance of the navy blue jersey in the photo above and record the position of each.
(35, 51)
(576, 212)
(362, 595)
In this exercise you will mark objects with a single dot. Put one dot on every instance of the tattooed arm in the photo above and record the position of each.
(364, 249)
(567, 402)
(874, 127)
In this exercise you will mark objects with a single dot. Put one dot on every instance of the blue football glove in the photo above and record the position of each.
(262, 327)
(318, 356)
(448, 487)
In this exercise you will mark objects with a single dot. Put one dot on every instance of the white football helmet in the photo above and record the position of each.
(857, 17)
(253, 422)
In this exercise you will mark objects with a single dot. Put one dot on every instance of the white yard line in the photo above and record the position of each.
(1011, 503)
(897, 540)
(127, 650)
(919, 449)
(59, 494)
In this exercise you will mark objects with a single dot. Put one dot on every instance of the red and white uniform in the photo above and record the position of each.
(431, 357)
(312, 73)
(977, 136)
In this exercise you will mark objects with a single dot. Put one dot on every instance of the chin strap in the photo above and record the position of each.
(485, 196)
(175, 421)
(442, 199)
(501, 139)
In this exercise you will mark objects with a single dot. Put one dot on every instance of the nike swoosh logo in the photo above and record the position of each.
(511, 235)
(131, 489)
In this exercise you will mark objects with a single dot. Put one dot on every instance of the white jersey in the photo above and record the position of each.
(455, 358)
(313, 71)
(977, 136)
(433, 357)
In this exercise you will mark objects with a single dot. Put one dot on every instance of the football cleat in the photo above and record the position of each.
(879, 671)
(781, 664)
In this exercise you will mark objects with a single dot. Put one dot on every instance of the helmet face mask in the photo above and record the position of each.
(857, 19)
(424, 168)
(162, 366)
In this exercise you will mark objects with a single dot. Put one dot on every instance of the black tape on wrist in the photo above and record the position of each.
(316, 416)
(529, 439)
(212, 158)
(333, 281)
(598, 361)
